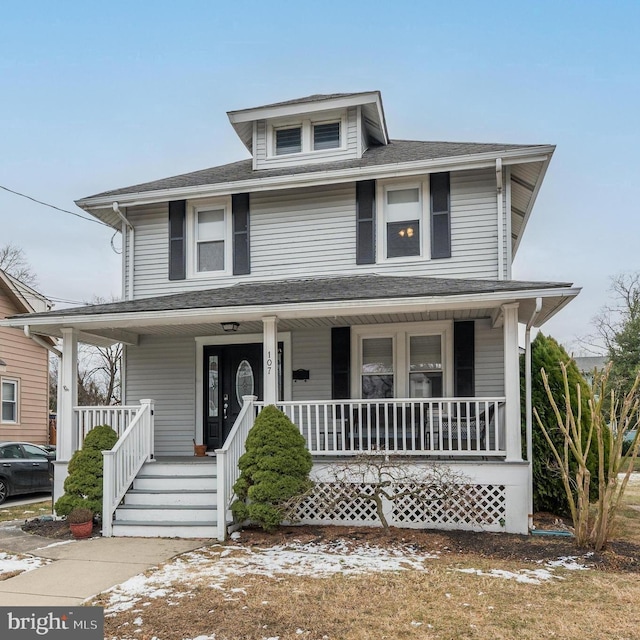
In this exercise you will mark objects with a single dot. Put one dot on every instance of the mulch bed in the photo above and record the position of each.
(618, 556)
(57, 529)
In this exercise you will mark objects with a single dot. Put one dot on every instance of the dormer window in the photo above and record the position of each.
(326, 135)
(311, 136)
(288, 140)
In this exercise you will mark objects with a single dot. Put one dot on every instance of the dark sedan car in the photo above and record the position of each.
(24, 468)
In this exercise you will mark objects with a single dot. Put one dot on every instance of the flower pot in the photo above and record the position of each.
(200, 450)
(81, 530)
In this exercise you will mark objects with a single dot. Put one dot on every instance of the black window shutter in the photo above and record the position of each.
(177, 239)
(440, 215)
(341, 363)
(240, 216)
(365, 222)
(464, 359)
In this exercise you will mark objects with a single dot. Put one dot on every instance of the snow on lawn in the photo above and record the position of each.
(216, 564)
(533, 576)
(11, 563)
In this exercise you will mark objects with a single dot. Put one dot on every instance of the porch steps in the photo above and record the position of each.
(175, 499)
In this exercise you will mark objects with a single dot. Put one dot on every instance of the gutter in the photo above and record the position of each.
(127, 319)
(41, 342)
(540, 153)
(500, 218)
(528, 402)
(128, 240)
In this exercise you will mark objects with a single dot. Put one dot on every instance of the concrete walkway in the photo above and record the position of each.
(81, 568)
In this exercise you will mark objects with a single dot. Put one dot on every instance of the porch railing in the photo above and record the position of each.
(227, 461)
(436, 426)
(117, 417)
(122, 463)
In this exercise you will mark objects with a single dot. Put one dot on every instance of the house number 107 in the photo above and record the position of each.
(269, 362)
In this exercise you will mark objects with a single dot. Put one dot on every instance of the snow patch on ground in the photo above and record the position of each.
(11, 563)
(56, 544)
(216, 564)
(535, 576)
(528, 576)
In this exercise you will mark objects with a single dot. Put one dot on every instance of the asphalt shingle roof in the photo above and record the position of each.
(316, 97)
(397, 151)
(334, 289)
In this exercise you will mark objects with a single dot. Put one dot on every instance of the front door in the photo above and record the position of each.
(230, 372)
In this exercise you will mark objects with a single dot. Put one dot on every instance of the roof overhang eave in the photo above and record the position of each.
(541, 153)
(556, 298)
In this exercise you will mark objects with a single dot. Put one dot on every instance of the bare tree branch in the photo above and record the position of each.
(14, 261)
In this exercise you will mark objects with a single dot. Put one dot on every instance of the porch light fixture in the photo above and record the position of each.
(230, 327)
(3, 366)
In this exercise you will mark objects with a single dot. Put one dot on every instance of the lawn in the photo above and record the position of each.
(323, 583)
(25, 511)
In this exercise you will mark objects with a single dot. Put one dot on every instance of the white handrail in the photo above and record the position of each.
(460, 427)
(122, 463)
(117, 417)
(227, 461)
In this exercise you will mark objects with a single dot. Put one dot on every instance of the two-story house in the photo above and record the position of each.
(24, 368)
(362, 284)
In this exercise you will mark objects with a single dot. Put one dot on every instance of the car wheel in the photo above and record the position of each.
(4, 490)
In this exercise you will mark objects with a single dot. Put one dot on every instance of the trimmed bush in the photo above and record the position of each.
(274, 470)
(83, 486)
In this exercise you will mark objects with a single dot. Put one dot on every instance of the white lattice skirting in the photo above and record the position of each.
(475, 505)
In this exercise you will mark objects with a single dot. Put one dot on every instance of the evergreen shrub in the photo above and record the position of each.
(548, 490)
(83, 485)
(273, 470)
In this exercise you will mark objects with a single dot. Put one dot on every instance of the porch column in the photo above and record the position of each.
(270, 359)
(512, 382)
(67, 441)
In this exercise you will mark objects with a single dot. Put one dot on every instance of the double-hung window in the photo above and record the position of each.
(9, 400)
(403, 220)
(377, 379)
(425, 366)
(210, 233)
(409, 360)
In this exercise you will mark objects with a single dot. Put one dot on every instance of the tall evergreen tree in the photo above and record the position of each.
(547, 353)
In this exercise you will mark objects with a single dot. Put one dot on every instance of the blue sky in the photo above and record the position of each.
(103, 95)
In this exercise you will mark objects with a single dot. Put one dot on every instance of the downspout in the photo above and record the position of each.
(125, 245)
(41, 342)
(500, 219)
(528, 402)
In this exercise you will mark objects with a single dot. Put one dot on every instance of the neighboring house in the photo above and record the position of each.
(24, 368)
(588, 364)
(360, 283)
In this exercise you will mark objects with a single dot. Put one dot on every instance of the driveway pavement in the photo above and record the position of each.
(80, 568)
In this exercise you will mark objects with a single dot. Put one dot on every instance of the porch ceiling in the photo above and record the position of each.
(302, 303)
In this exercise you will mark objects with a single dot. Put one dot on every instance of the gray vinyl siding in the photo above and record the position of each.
(163, 369)
(260, 152)
(311, 232)
(151, 255)
(308, 232)
(489, 360)
(349, 152)
(311, 349)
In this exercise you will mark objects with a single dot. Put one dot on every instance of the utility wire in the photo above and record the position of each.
(52, 206)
